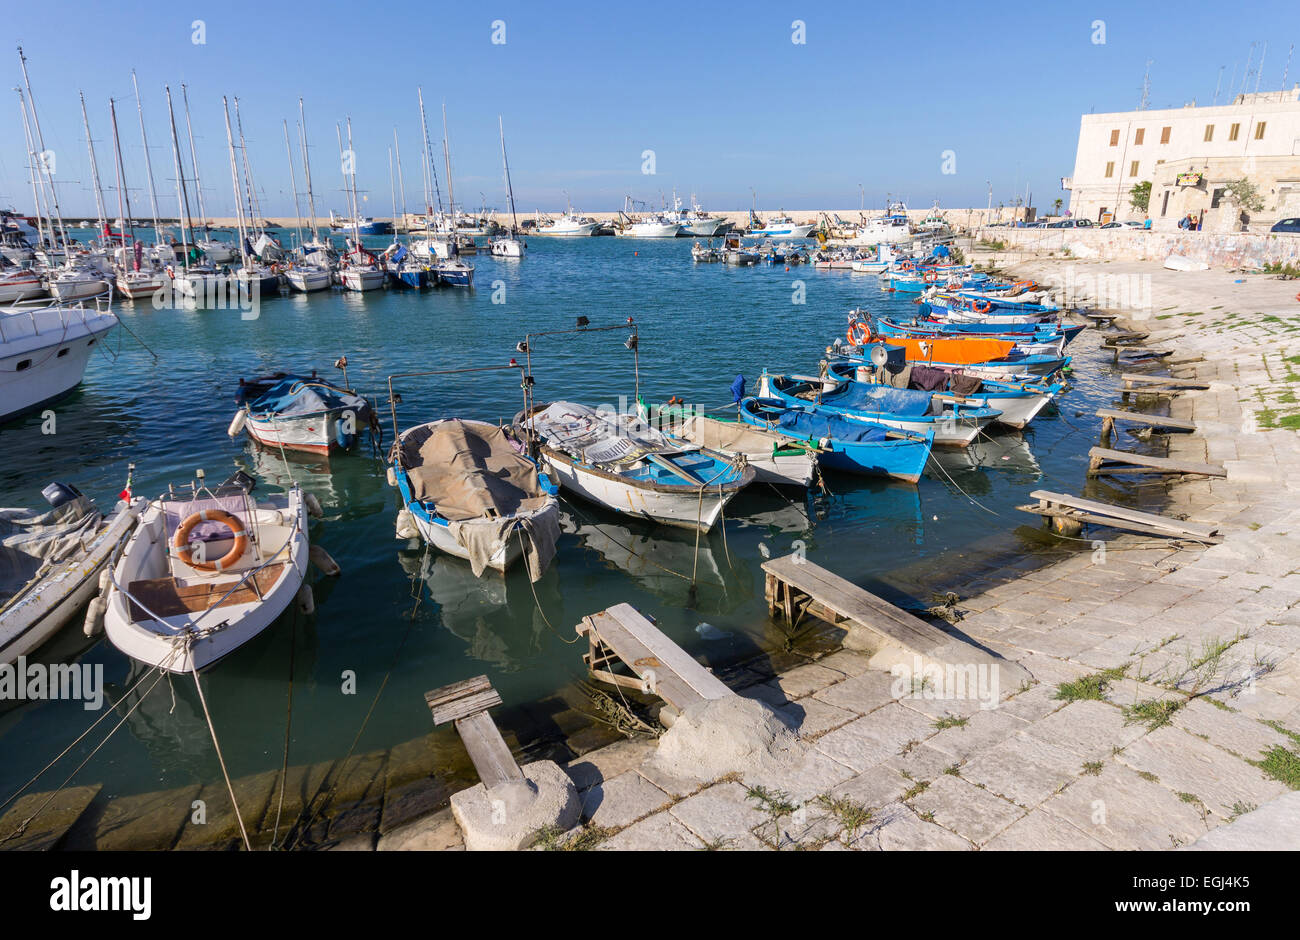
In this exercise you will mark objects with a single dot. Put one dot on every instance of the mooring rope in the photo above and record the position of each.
(217, 745)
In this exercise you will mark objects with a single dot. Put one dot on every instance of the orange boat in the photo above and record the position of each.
(962, 351)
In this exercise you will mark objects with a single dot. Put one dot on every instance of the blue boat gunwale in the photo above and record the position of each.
(961, 411)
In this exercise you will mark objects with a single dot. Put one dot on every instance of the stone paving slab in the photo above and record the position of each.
(874, 738)
(722, 812)
(895, 827)
(1187, 764)
(1024, 769)
(661, 832)
(620, 801)
(973, 813)
(1040, 831)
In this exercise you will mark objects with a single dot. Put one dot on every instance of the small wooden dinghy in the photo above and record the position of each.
(301, 413)
(50, 564)
(205, 572)
(620, 462)
(471, 492)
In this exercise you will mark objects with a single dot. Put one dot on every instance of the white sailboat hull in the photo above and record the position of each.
(362, 280)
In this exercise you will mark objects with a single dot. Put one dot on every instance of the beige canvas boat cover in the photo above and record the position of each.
(732, 436)
(470, 471)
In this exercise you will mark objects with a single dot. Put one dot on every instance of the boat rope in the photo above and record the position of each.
(162, 670)
(931, 459)
(239, 817)
(302, 831)
(537, 601)
(288, 725)
(137, 339)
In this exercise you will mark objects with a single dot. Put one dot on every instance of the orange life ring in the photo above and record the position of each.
(859, 333)
(181, 541)
(988, 305)
(931, 277)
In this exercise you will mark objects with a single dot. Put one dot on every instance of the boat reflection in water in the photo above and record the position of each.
(496, 615)
(349, 486)
(1007, 455)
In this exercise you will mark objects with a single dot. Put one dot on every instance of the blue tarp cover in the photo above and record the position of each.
(860, 396)
(817, 425)
(295, 395)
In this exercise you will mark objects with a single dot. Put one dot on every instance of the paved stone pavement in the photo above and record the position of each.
(1165, 699)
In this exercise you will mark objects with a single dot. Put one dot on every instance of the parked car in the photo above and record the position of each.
(1071, 223)
(1129, 224)
(1286, 225)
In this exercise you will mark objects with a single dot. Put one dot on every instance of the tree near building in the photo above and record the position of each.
(1139, 197)
(1244, 194)
(1056, 205)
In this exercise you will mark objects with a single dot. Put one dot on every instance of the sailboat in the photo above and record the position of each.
(507, 246)
(359, 269)
(217, 252)
(136, 277)
(302, 275)
(451, 269)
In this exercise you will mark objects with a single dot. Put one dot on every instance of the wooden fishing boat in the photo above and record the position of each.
(205, 571)
(852, 446)
(620, 462)
(301, 413)
(949, 421)
(775, 458)
(470, 491)
(925, 349)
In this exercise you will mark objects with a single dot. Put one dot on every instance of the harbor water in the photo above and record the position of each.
(408, 619)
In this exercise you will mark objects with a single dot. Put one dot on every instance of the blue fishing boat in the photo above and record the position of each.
(1017, 403)
(851, 446)
(948, 420)
(1023, 333)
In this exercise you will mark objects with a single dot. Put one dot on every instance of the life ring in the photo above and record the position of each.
(181, 541)
(931, 277)
(988, 305)
(859, 333)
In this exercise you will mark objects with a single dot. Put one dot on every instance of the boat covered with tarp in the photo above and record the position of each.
(301, 413)
(471, 491)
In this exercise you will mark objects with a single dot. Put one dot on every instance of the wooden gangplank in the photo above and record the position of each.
(1161, 423)
(1105, 462)
(1067, 513)
(465, 704)
(796, 586)
(658, 665)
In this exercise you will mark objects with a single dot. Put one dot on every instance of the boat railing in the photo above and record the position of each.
(69, 313)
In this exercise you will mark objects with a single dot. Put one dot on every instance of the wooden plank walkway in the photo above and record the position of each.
(659, 666)
(465, 704)
(1105, 462)
(1111, 415)
(1068, 514)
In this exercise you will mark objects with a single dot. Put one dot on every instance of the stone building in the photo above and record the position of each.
(1188, 154)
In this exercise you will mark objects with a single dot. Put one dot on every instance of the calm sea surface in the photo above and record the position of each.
(422, 619)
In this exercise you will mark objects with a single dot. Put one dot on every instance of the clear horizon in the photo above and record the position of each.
(731, 108)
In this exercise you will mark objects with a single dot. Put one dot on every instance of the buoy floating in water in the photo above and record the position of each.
(237, 422)
(306, 599)
(313, 506)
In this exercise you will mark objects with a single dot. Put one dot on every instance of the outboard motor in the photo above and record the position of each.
(56, 494)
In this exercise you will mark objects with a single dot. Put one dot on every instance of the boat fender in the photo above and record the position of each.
(306, 600)
(322, 560)
(313, 506)
(343, 437)
(237, 423)
(392, 477)
(94, 623)
(406, 525)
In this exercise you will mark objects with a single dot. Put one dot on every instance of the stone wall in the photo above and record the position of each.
(1218, 250)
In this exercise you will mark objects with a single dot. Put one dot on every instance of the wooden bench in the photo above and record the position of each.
(1105, 462)
(465, 704)
(1067, 515)
(659, 666)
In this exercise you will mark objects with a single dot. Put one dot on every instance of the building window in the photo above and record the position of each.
(1164, 134)
(1259, 130)
(1215, 198)
(1209, 133)
(1234, 131)
(1110, 169)
(1133, 168)
(1164, 204)
(1139, 134)
(1114, 137)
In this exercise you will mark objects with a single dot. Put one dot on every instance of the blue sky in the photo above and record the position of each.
(719, 92)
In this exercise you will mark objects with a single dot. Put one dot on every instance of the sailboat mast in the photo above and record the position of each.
(148, 163)
(306, 166)
(510, 193)
(40, 142)
(234, 182)
(430, 168)
(37, 190)
(293, 180)
(183, 198)
(254, 210)
(123, 197)
(392, 185)
(94, 166)
(194, 159)
(401, 184)
(356, 205)
(446, 155)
